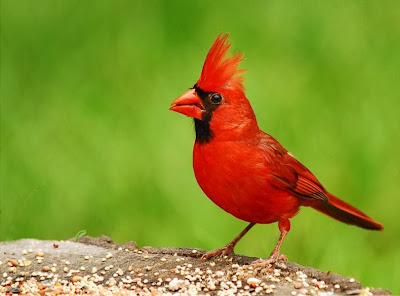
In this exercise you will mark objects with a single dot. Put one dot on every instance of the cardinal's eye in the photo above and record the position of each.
(216, 98)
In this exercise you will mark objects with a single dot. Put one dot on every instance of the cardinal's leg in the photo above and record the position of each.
(229, 247)
(284, 227)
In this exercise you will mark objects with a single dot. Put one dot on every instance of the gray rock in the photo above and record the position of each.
(100, 262)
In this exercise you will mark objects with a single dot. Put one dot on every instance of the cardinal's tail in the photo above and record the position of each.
(342, 211)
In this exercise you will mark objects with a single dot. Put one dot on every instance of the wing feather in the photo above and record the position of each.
(289, 174)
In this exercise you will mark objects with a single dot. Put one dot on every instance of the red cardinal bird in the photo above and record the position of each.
(242, 169)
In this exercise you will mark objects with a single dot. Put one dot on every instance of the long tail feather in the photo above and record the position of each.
(342, 211)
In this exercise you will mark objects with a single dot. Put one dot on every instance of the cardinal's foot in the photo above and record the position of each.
(269, 261)
(220, 252)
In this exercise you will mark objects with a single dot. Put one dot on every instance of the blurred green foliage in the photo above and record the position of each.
(87, 141)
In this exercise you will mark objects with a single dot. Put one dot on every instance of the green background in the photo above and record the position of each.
(87, 141)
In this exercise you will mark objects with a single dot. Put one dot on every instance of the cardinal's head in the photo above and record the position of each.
(217, 101)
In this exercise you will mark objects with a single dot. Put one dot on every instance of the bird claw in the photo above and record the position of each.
(269, 261)
(219, 252)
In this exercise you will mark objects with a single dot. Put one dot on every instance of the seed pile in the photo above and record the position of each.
(54, 271)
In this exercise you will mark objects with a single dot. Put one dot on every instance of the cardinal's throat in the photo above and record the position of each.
(202, 129)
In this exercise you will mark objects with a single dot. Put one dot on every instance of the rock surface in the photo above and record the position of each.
(100, 266)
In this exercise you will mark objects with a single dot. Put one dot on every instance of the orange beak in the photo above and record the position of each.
(189, 104)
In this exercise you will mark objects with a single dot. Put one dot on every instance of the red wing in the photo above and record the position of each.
(306, 187)
(294, 177)
(288, 173)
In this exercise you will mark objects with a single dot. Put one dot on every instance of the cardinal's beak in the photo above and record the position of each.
(189, 104)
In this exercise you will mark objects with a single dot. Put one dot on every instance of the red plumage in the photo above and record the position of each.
(240, 168)
(220, 71)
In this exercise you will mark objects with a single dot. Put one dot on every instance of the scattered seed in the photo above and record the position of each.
(176, 284)
(45, 268)
(298, 285)
(189, 280)
(39, 254)
(253, 282)
(12, 262)
(76, 278)
(303, 291)
(27, 262)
